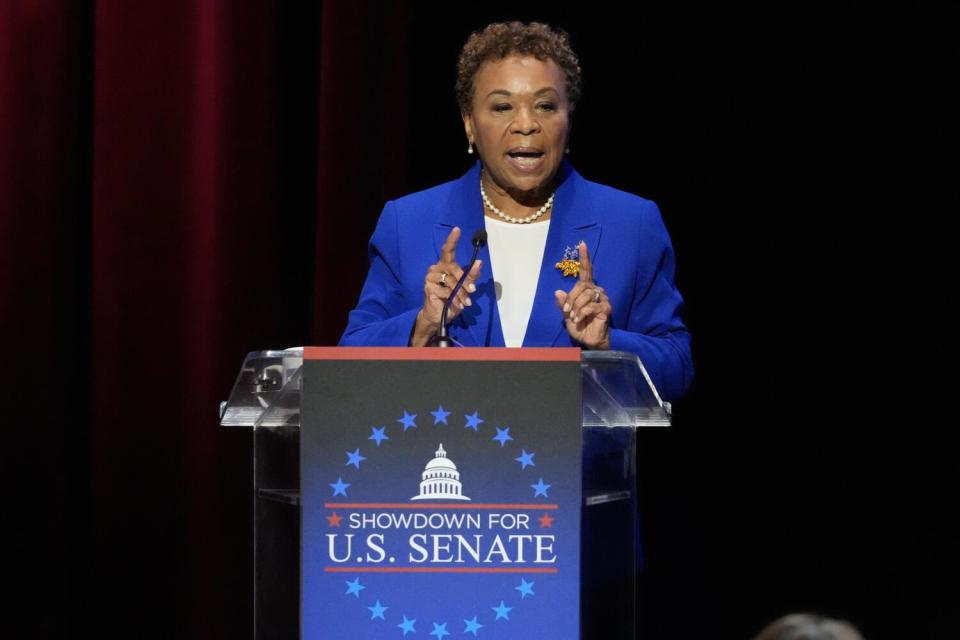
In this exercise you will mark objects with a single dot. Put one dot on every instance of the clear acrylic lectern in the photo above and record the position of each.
(617, 398)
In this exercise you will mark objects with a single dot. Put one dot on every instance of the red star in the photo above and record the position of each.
(546, 521)
(334, 520)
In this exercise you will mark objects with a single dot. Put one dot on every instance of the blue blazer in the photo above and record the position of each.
(632, 260)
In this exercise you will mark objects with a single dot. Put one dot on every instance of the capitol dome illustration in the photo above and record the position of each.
(441, 480)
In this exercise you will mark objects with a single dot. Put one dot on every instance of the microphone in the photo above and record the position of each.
(479, 240)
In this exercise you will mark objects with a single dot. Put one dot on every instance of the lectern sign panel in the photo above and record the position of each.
(441, 493)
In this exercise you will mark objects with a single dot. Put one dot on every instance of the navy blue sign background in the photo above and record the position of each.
(377, 564)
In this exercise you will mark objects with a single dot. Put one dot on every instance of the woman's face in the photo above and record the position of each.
(520, 123)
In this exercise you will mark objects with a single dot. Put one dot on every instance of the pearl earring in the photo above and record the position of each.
(470, 148)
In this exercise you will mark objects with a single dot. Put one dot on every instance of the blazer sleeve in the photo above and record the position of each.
(382, 317)
(655, 330)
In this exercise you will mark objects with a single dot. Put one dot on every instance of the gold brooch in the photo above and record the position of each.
(570, 265)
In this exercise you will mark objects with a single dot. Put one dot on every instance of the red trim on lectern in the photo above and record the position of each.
(536, 354)
(438, 505)
(441, 570)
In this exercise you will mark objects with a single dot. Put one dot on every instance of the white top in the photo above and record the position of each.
(516, 251)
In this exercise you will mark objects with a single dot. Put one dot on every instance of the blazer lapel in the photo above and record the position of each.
(571, 221)
(464, 209)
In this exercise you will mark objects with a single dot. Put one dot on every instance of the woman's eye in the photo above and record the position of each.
(547, 106)
(501, 107)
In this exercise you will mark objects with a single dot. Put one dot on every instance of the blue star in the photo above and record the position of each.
(378, 435)
(502, 436)
(354, 588)
(407, 625)
(525, 588)
(473, 421)
(526, 459)
(376, 611)
(440, 630)
(408, 420)
(355, 458)
(339, 487)
(503, 611)
(472, 626)
(440, 415)
(540, 489)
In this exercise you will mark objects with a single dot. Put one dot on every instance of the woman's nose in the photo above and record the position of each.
(525, 122)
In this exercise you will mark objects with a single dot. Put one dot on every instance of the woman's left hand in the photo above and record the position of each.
(586, 308)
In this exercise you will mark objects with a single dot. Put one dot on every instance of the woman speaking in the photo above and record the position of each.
(568, 262)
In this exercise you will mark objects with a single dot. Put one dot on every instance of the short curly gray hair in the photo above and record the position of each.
(500, 39)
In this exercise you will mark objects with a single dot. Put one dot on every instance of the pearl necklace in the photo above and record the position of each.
(504, 216)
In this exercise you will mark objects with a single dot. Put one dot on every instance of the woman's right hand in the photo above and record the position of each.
(440, 280)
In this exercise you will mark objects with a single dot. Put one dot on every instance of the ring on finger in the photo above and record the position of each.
(443, 279)
(596, 295)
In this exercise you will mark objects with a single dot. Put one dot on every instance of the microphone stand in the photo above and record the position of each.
(479, 239)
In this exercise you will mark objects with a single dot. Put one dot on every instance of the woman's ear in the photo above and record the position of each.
(468, 126)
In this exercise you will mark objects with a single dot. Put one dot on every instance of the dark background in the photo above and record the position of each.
(181, 183)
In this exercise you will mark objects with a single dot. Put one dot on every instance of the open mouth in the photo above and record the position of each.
(525, 159)
(525, 153)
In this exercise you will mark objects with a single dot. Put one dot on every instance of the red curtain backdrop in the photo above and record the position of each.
(45, 108)
(162, 205)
